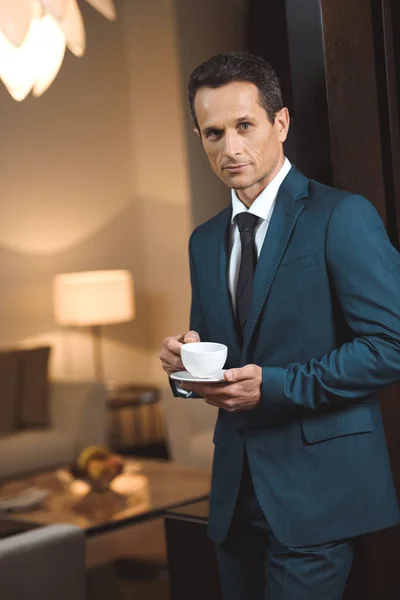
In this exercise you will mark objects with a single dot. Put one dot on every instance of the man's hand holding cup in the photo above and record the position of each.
(170, 355)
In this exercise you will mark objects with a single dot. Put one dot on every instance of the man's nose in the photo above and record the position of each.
(233, 144)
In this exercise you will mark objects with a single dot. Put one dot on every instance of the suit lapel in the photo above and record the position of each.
(287, 209)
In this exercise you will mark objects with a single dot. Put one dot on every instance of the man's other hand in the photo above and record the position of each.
(241, 390)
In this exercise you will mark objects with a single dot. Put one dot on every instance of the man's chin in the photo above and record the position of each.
(238, 182)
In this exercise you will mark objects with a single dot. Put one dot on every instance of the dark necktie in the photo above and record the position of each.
(247, 224)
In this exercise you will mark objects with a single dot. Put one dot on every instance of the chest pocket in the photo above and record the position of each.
(302, 262)
(351, 421)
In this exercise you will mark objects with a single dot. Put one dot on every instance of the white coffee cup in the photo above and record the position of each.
(204, 359)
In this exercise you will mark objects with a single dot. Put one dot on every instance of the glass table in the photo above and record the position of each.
(146, 490)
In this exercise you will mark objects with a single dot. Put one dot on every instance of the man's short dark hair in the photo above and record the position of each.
(226, 68)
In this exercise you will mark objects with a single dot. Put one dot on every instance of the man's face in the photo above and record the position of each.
(243, 146)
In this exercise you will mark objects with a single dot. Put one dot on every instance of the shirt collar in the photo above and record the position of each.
(262, 205)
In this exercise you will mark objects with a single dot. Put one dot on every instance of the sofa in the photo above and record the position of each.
(77, 417)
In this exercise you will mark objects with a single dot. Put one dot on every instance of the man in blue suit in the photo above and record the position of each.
(301, 283)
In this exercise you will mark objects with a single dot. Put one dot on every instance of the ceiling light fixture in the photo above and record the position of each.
(33, 38)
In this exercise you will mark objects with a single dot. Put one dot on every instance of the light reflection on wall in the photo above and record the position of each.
(34, 230)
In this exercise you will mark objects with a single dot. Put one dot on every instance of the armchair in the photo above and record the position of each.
(47, 563)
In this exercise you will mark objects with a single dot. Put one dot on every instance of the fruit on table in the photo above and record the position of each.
(97, 462)
(114, 464)
(96, 469)
(90, 453)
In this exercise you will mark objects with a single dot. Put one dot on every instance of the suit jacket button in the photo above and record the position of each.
(239, 429)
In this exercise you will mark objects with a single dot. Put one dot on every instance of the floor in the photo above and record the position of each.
(129, 564)
(114, 583)
(144, 589)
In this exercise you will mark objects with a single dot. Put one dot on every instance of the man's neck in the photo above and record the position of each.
(249, 195)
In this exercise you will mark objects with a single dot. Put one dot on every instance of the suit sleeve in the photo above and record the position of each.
(365, 272)
(197, 322)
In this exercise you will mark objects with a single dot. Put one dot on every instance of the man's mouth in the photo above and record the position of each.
(236, 168)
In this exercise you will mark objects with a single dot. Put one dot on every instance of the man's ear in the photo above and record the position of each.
(282, 119)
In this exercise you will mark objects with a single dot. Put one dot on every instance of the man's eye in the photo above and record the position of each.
(215, 133)
(245, 126)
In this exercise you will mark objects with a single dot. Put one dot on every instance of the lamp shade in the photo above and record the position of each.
(93, 298)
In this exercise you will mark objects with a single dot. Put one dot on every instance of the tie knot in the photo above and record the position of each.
(247, 222)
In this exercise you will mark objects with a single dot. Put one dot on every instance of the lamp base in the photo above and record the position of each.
(97, 355)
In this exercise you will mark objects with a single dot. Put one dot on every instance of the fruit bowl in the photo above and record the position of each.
(98, 466)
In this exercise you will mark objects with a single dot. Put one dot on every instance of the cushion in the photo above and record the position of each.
(27, 451)
(9, 391)
(33, 398)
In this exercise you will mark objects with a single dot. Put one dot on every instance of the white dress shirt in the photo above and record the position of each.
(262, 207)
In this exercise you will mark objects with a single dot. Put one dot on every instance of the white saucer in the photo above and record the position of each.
(185, 376)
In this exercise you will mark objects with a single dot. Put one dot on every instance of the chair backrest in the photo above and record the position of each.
(47, 563)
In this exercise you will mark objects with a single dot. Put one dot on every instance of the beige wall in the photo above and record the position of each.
(98, 174)
(206, 28)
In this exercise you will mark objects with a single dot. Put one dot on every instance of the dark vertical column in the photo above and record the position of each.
(360, 74)
(288, 33)
(385, 21)
(353, 99)
(363, 102)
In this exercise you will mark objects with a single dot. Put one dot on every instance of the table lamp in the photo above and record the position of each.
(93, 299)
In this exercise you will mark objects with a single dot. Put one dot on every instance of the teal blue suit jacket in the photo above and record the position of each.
(324, 325)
